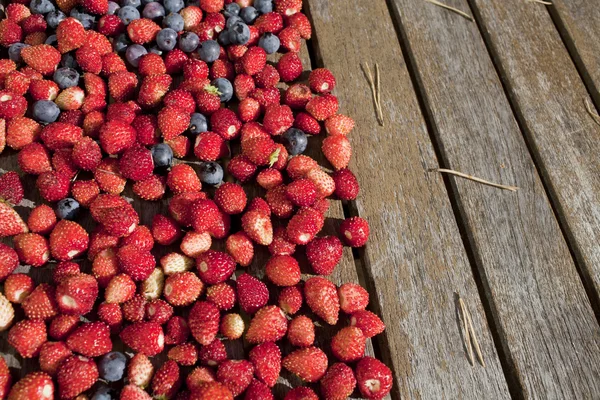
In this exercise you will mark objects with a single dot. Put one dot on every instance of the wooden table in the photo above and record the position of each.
(501, 97)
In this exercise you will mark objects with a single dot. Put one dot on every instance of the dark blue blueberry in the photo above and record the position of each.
(68, 60)
(231, 21)
(263, 6)
(224, 37)
(66, 77)
(104, 393)
(41, 6)
(51, 40)
(188, 42)
(209, 50)
(166, 39)
(162, 154)
(240, 33)
(198, 123)
(269, 42)
(132, 3)
(54, 18)
(45, 111)
(112, 366)
(210, 173)
(173, 21)
(14, 51)
(224, 87)
(153, 10)
(128, 14)
(249, 14)
(231, 9)
(134, 53)
(173, 6)
(121, 42)
(67, 209)
(86, 20)
(295, 141)
(113, 8)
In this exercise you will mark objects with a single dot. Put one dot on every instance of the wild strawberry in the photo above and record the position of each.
(32, 249)
(337, 150)
(192, 16)
(89, 59)
(62, 326)
(134, 310)
(120, 288)
(27, 337)
(254, 60)
(243, 84)
(221, 295)
(374, 378)
(17, 12)
(297, 96)
(240, 247)
(290, 67)
(235, 375)
(166, 380)
(346, 184)
(266, 96)
(290, 39)
(11, 188)
(369, 323)
(136, 263)
(354, 231)
(222, 225)
(112, 315)
(353, 297)
(108, 177)
(182, 288)
(225, 123)
(324, 183)
(301, 23)
(183, 179)
(76, 375)
(136, 163)
(116, 137)
(34, 159)
(151, 188)
(7, 312)
(174, 262)
(10, 32)
(144, 337)
(63, 270)
(36, 385)
(42, 57)
(258, 227)
(70, 35)
(268, 325)
(152, 287)
(52, 355)
(338, 383)
(198, 376)
(300, 165)
(339, 124)
(59, 135)
(301, 331)
(76, 294)
(212, 390)
(209, 146)
(321, 80)
(249, 110)
(260, 151)
(322, 107)
(151, 64)
(241, 168)
(122, 84)
(174, 61)
(41, 303)
(231, 198)
(173, 121)
(322, 298)
(348, 344)
(16, 289)
(132, 392)
(290, 299)
(153, 89)
(222, 69)
(304, 225)
(11, 223)
(278, 119)
(194, 243)
(85, 192)
(232, 326)
(283, 270)
(140, 370)
(119, 221)
(214, 267)
(99, 7)
(110, 25)
(141, 237)
(17, 82)
(86, 154)
(324, 254)
(309, 364)
(146, 127)
(204, 215)
(203, 321)
(142, 30)
(165, 230)
(123, 112)
(91, 339)
(270, 22)
(180, 99)
(63, 165)
(184, 354)
(9, 261)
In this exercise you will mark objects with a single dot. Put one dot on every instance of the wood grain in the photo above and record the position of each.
(546, 326)
(415, 257)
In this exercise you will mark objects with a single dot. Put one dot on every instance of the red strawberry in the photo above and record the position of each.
(17, 12)
(353, 297)
(144, 337)
(99, 7)
(147, 129)
(213, 353)
(223, 68)
(76, 375)
(182, 98)
(166, 380)
(339, 125)
(304, 225)
(64, 269)
(338, 383)
(374, 378)
(346, 184)
(324, 254)
(281, 245)
(194, 243)
(86, 154)
(153, 89)
(322, 107)
(108, 178)
(43, 89)
(241, 168)
(184, 354)
(174, 262)
(116, 136)
(165, 230)
(337, 150)
(205, 215)
(17, 287)
(309, 364)
(212, 390)
(252, 293)
(301, 392)
(53, 186)
(321, 80)
(260, 150)
(289, 67)
(12, 105)
(290, 39)
(324, 183)
(283, 270)
(91, 339)
(354, 231)
(269, 22)
(226, 123)
(27, 337)
(254, 60)
(174, 61)
(221, 295)
(140, 370)
(158, 311)
(112, 315)
(301, 192)
(192, 16)
(236, 375)
(300, 165)
(183, 179)
(268, 325)
(42, 219)
(182, 288)
(151, 64)
(17, 82)
(119, 221)
(348, 344)
(42, 57)
(249, 110)
(369, 323)
(290, 299)
(301, 23)
(9, 260)
(142, 30)
(136, 263)
(199, 376)
(301, 332)
(322, 298)
(60, 135)
(278, 119)
(11, 224)
(203, 321)
(68, 240)
(105, 266)
(41, 303)
(180, 145)
(10, 32)
(62, 326)
(110, 25)
(36, 385)
(136, 163)
(122, 84)
(76, 294)
(52, 355)
(240, 247)
(232, 326)
(266, 359)
(258, 227)
(89, 59)
(211, 6)
(210, 146)
(132, 392)
(243, 85)
(215, 267)
(32, 249)
(112, 63)
(141, 237)
(173, 121)
(297, 96)
(21, 131)
(70, 35)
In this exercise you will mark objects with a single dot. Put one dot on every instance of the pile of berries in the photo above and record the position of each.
(95, 94)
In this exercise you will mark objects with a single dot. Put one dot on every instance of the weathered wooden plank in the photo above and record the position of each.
(549, 100)
(579, 24)
(546, 325)
(415, 257)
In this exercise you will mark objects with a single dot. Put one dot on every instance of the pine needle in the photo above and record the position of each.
(375, 86)
(546, 3)
(590, 111)
(475, 179)
(463, 314)
(475, 341)
(455, 10)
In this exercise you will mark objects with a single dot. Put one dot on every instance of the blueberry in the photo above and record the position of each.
(113, 8)
(295, 141)
(153, 10)
(269, 42)
(173, 21)
(231, 9)
(188, 42)
(231, 21)
(128, 14)
(240, 33)
(173, 5)
(209, 51)
(67, 209)
(51, 40)
(198, 123)
(211, 173)
(54, 18)
(162, 154)
(134, 53)
(14, 51)
(249, 14)
(121, 42)
(166, 39)
(45, 111)
(41, 6)
(111, 366)
(104, 393)
(224, 38)
(263, 6)
(66, 77)
(86, 20)
(132, 3)
(224, 87)
(68, 60)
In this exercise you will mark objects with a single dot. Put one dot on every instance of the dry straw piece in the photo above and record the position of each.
(447, 7)
(375, 85)
(474, 178)
(471, 341)
(546, 3)
(590, 111)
